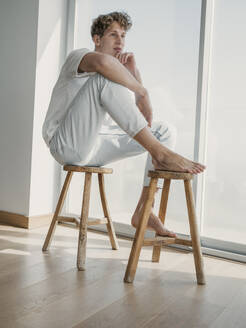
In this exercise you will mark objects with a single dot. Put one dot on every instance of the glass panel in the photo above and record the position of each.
(225, 191)
(165, 41)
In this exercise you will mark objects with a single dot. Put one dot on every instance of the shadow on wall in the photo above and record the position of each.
(51, 54)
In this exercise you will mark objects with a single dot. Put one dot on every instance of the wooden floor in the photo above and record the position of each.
(46, 290)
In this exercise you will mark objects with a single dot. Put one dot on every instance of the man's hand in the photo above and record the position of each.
(128, 60)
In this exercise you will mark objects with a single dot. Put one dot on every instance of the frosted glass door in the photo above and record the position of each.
(225, 190)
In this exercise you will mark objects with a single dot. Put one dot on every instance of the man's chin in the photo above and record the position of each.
(116, 52)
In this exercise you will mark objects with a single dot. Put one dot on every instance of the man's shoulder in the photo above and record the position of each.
(78, 53)
(71, 67)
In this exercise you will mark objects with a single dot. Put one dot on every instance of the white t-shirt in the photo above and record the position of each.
(64, 91)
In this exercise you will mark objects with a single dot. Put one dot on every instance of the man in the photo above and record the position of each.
(95, 83)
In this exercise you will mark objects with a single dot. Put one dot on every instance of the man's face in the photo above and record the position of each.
(112, 41)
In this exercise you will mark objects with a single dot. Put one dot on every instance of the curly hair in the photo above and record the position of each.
(102, 22)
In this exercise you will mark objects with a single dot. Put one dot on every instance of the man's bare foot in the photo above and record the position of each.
(154, 223)
(171, 161)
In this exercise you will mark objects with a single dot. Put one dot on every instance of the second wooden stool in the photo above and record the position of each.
(83, 222)
(158, 241)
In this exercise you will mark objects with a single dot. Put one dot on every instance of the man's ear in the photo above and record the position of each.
(96, 39)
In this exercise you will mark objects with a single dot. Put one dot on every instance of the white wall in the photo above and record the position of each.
(18, 36)
(32, 39)
(225, 188)
(51, 52)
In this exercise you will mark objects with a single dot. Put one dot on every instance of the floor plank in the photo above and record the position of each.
(234, 314)
(46, 290)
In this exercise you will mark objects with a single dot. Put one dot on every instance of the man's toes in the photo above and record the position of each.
(192, 170)
(195, 169)
(168, 233)
(189, 170)
(172, 234)
(199, 165)
(199, 169)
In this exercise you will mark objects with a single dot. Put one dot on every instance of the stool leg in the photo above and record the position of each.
(162, 214)
(194, 234)
(60, 203)
(81, 255)
(110, 227)
(139, 235)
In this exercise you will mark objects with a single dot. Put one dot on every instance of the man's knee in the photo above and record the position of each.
(101, 82)
(98, 79)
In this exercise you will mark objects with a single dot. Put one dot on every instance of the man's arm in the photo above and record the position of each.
(127, 59)
(143, 103)
(113, 70)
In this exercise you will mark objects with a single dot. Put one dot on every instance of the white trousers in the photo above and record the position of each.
(79, 140)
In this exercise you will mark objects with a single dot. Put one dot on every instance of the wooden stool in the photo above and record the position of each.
(83, 222)
(158, 241)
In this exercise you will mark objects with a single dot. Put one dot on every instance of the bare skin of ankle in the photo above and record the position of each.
(154, 223)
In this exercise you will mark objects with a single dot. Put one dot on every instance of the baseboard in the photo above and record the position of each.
(23, 221)
(32, 222)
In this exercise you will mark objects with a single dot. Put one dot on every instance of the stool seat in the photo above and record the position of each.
(162, 174)
(89, 169)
